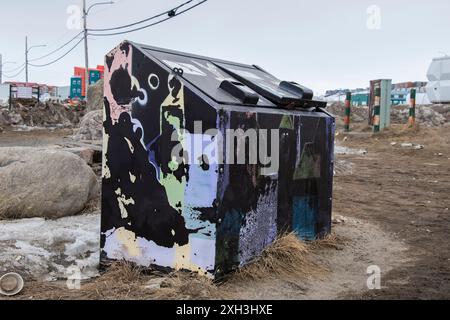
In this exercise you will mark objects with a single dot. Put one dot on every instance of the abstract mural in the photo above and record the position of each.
(190, 209)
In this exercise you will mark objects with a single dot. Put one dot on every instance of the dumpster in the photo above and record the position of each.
(206, 162)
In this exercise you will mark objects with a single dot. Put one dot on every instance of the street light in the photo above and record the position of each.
(98, 4)
(27, 50)
(86, 54)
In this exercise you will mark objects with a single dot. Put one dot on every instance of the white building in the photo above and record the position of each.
(4, 93)
(438, 89)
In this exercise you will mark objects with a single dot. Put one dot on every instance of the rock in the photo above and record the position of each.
(1, 130)
(338, 219)
(95, 97)
(15, 118)
(44, 183)
(154, 284)
(393, 143)
(84, 153)
(406, 145)
(4, 119)
(91, 127)
(49, 114)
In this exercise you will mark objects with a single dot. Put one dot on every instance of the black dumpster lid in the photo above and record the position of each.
(233, 83)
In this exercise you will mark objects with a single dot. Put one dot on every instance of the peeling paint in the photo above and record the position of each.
(196, 215)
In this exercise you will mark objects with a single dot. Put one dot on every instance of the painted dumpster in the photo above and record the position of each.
(206, 161)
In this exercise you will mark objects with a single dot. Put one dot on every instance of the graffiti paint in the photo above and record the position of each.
(199, 215)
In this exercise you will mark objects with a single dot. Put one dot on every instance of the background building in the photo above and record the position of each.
(400, 94)
(438, 89)
(78, 83)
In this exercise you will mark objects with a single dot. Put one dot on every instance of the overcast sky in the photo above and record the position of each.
(322, 44)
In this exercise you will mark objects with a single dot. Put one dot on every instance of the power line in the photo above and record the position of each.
(56, 60)
(13, 76)
(171, 14)
(16, 68)
(145, 20)
(58, 49)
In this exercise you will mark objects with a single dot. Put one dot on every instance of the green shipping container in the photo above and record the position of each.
(75, 88)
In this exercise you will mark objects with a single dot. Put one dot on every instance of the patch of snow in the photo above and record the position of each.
(25, 128)
(45, 249)
(344, 150)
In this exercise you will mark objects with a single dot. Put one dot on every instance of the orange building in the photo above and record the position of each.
(95, 74)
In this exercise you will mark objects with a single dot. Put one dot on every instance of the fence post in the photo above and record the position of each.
(377, 110)
(348, 104)
(10, 97)
(412, 108)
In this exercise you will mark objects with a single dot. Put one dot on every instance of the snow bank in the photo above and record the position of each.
(45, 249)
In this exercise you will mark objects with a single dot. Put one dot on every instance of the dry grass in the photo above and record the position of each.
(287, 259)
(331, 241)
(125, 281)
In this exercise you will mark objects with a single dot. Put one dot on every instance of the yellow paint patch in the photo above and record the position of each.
(128, 241)
(123, 203)
(183, 260)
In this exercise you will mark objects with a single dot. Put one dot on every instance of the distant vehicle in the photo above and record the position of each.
(438, 89)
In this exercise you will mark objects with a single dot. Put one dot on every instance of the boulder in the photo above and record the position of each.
(87, 154)
(44, 183)
(91, 127)
(4, 118)
(15, 118)
(95, 97)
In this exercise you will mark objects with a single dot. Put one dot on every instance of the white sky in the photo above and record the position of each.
(322, 44)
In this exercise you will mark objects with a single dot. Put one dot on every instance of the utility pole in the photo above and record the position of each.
(86, 55)
(26, 60)
(27, 50)
(85, 30)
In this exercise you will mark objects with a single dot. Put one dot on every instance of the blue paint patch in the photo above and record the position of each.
(152, 157)
(201, 192)
(304, 224)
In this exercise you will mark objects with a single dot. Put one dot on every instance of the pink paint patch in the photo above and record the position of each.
(121, 60)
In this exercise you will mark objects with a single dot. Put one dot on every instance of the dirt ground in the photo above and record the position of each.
(404, 191)
(391, 209)
(34, 138)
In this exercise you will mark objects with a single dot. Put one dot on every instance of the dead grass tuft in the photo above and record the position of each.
(287, 258)
(331, 241)
(125, 281)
